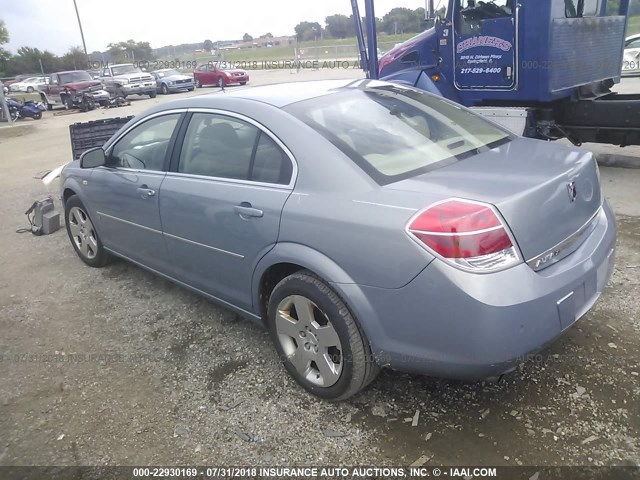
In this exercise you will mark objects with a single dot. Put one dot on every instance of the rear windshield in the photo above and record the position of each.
(71, 77)
(394, 133)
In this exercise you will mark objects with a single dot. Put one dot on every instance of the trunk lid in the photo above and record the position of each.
(546, 192)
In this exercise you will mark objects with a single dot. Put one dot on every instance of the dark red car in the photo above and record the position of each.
(220, 74)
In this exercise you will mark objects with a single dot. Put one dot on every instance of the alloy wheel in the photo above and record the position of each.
(309, 340)
(83, 233)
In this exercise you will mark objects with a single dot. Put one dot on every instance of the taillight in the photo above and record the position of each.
(469, 235)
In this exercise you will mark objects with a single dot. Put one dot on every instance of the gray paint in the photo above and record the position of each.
(419, 313)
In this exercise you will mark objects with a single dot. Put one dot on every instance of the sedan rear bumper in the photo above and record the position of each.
(454, 324)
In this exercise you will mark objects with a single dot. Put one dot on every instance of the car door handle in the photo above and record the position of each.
(146, 192)
(245, 210)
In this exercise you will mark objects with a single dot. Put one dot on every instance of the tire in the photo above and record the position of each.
(83, 234)
(120, 92)
(198, 84)
(243, 83)
(221, 83)
(165, 89)
(153, 94)
(190, 89)
(67, 102)
(37, 116)
(324, 351)
(30, 90)
(49, 107)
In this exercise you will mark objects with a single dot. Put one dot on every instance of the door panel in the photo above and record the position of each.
(126, 204)
(217, 222)
(485, 43)
(125, 194)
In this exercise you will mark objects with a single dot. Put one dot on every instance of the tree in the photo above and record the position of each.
(340, 26)
(74, 59)
(207, 45)
(403, 20)
(130, 51)
(4, 33)
(308, 31)
(247, 38)
(267, 35)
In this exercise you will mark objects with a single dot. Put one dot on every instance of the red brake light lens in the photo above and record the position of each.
(467, 234)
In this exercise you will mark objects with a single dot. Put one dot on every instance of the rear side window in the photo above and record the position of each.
(226, 147)
(580, 8)
(394, 133)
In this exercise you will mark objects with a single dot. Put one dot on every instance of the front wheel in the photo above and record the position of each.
(243, 83)
(83, 235)
(165, 89)
(37, 116)
(221, 83)
(30, 90)
(198, 84)
(317, 338)
(153, 94)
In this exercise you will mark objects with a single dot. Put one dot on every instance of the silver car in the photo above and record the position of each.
(631, 61)
(365, 224)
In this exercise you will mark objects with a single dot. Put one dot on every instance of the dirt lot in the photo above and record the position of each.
(118, 367)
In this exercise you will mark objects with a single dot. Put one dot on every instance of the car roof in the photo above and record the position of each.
(283, 94)
(633, 37)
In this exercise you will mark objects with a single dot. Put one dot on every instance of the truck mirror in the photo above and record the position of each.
(429, 10)
(93, 158)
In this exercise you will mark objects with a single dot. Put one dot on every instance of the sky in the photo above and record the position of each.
(52, 25)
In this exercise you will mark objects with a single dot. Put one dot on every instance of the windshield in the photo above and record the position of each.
(124, 69)
(394, 133)
(167, 73)
(72, 77)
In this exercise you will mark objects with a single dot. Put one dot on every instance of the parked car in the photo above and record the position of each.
(29, 85)
(126, 79)
(631, 62)
(73, 89)
(170, 81)
(220, 74)
(364, 223)
(19, 78)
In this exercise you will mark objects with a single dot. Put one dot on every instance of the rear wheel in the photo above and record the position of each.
(30, 90)
(83, 235)
(317, 338)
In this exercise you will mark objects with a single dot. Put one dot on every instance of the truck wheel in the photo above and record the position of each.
(317, 338)
(153, 94)
(49, 107)
(120, 92)
(68, 103)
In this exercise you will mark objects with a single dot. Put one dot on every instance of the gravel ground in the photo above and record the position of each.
(118, 367)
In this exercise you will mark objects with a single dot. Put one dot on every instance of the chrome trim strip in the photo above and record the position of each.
(205, 178)
(458, 234)
(565, 248)
(219, 250)
(101, 214)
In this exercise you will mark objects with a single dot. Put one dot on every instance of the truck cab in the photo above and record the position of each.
(555, 59)
(127, 79)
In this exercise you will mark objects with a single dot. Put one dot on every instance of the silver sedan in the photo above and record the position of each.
(631, 61)
(365, 224)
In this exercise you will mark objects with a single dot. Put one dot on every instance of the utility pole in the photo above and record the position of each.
(84, 44)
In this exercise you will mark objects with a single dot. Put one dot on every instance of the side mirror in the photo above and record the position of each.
(430, 10)
(93, 158)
